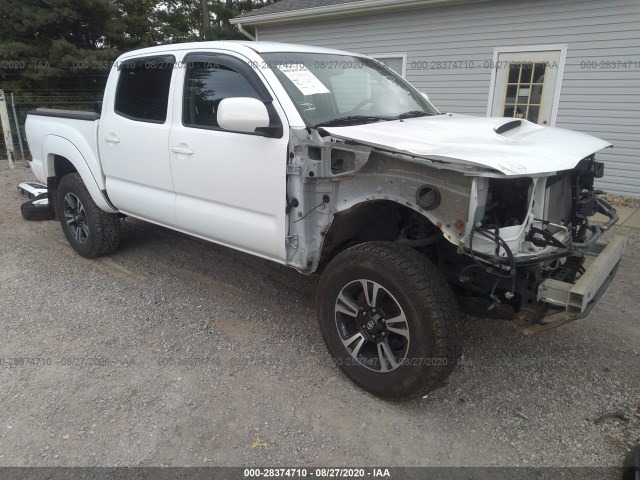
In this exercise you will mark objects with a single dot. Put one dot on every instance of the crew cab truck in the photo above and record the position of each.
(328, 162)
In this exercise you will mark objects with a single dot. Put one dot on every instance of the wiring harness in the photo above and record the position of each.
(493, 268)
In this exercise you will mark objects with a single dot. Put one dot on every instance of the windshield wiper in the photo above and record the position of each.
(414, 114)
(352, 120)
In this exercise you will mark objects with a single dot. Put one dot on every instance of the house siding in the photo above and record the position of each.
(604, 102)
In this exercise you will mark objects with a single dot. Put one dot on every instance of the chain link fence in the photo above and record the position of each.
(20, 105)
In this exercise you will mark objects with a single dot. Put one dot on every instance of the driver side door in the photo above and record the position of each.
(230, 186)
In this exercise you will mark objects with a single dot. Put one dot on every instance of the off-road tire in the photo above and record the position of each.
(431, 310)
(104, 229)
(36, 213)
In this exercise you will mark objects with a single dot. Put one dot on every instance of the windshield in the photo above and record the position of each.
(345, 90)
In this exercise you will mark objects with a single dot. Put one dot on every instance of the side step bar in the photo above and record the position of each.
(32, 189)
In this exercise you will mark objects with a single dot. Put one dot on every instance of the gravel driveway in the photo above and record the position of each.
(177, 352)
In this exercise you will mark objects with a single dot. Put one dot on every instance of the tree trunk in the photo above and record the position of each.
(205, 17)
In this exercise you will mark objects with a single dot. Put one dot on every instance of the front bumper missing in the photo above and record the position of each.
(578, 299)
(33, 190)
(575, 249)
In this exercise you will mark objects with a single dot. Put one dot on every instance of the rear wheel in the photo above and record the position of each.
(90, 231)
(389, 319)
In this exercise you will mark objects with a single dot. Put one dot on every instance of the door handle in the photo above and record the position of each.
(181, 150)
(111, 139)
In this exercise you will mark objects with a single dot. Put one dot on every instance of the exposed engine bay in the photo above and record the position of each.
(496, 238)
(507, 202)
(532, 229)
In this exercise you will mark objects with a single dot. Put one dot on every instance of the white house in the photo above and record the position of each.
(566, 63)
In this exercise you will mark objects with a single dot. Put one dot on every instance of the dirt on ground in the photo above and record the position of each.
(176, 352)
(620, 201)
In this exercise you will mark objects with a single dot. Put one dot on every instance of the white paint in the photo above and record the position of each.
(231, 189)
(526, 150)
(242, 114)
(244, 47)
(73, 139)
(135, 159)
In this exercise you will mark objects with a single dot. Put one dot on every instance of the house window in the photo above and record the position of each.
(395, 61)
(524, 90)
(527, 82)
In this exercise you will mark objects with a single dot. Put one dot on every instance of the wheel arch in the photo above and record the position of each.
(367, 221)
(62, 158)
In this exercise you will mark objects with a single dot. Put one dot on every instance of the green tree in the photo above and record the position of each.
(183, 21)
(64, 47)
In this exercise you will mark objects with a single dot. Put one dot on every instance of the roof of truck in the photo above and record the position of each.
(240, 46)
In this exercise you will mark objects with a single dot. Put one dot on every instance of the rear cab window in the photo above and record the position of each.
(143, 87)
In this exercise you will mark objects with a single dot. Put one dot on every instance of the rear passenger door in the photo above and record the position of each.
(133, 138)
(230, 186)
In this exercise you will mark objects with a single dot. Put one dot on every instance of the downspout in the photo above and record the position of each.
(245, 33)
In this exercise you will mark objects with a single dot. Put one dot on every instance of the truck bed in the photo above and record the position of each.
(88, 115)
(74, 132)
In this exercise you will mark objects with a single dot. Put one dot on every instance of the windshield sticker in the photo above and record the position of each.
(303, 79)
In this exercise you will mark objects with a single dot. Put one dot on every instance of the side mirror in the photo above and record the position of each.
(425, 96)
(242, 114)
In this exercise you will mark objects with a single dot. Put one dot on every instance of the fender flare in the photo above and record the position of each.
(56, 145)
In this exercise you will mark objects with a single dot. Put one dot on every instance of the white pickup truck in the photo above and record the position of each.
(329, 162)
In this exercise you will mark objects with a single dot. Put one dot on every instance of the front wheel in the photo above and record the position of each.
(389, 319)
(89, 230)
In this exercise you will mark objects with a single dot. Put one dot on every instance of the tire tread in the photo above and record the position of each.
(36, 213)
(107, 226)
(429, 287)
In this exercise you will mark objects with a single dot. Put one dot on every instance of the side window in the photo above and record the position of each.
(143, 89)
(206, 85)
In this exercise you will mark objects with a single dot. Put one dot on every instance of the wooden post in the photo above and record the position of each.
(17, 122)
(6, 129)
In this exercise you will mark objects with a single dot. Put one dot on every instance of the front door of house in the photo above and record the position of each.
(525, 85)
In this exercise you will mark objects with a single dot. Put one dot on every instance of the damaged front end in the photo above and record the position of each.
(516, 246)
(533, 252)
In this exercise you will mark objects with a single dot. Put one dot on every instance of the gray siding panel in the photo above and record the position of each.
(604, 102)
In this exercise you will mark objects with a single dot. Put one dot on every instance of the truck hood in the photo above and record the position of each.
(507, 145)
